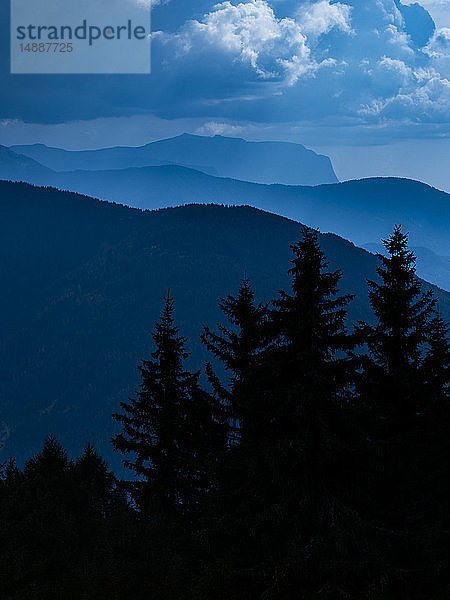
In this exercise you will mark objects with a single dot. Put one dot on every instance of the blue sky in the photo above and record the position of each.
(365, 81)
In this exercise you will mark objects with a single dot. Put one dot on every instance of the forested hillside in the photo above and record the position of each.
(83, 282)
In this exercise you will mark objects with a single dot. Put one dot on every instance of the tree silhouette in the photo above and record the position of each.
(279, 486)
(334, 483)
(238, 348)
(170, 428)
(436, 364)
(392, 380)
(309, 374)
(400, 386)
(309, 359)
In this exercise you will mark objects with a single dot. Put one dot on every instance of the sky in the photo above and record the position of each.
(366, 82)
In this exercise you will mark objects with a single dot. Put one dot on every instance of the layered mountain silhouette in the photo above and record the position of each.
(18, 167)
(438, 267)
(262, 162)
(83, 282)
(361, 211)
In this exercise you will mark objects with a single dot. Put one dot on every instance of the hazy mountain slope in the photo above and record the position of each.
(433, 267)
(84, 282)
(263, 162)
(362, 211)
(17, 167)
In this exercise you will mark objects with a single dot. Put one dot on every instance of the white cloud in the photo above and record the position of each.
(318, 18)
(348, 59)
(438, 50)
(439, 45)
(219, 128)
(398, 39)
(396, 67)
(8, 122)
(429, 101)
(250, 33)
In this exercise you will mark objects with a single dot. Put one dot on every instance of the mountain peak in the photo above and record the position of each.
(231, 157)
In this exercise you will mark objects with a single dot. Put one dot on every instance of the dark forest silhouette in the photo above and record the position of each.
(318, 467)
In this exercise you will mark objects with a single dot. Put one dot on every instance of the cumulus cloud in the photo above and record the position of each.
(428, 101)
(418, 91)
(438, 49)
(249, 33)
(439, 45)
(321, 17)
(390, 75)
(334, 61)
(219, 128)
(320, 58)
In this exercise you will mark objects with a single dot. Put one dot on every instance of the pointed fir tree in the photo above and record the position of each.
(93, 473)
(11, 480)
(310, 356)
(311, 368)
(436, 502)
(238, 347)
(285, 524)
(400, 387)
(392, 382)
(50, 468)
(105, 527)
(98, 496)
(48, 537)
(170, 429)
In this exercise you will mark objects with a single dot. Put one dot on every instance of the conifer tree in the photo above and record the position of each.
(285, 475)
(238, 347)
(436, 366)
(47, 538)
(92, 471)
(435, 409)
(402, 389)
(66, 530)
(10, 480)
(311, 369)
(310, 356)
(98, 498)
(48, 473)
(393, 381)
(105, 528)
(170, 428)
(436, 500)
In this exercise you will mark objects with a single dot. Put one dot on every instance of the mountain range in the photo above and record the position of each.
(437, 267)
(18, 167)
(83, 281)
(362, 211)
(261, 162)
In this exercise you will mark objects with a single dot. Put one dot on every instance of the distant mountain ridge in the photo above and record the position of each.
(437, 267)
(362, 211)
(18, 167)
(82, 284)
(260, 162)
